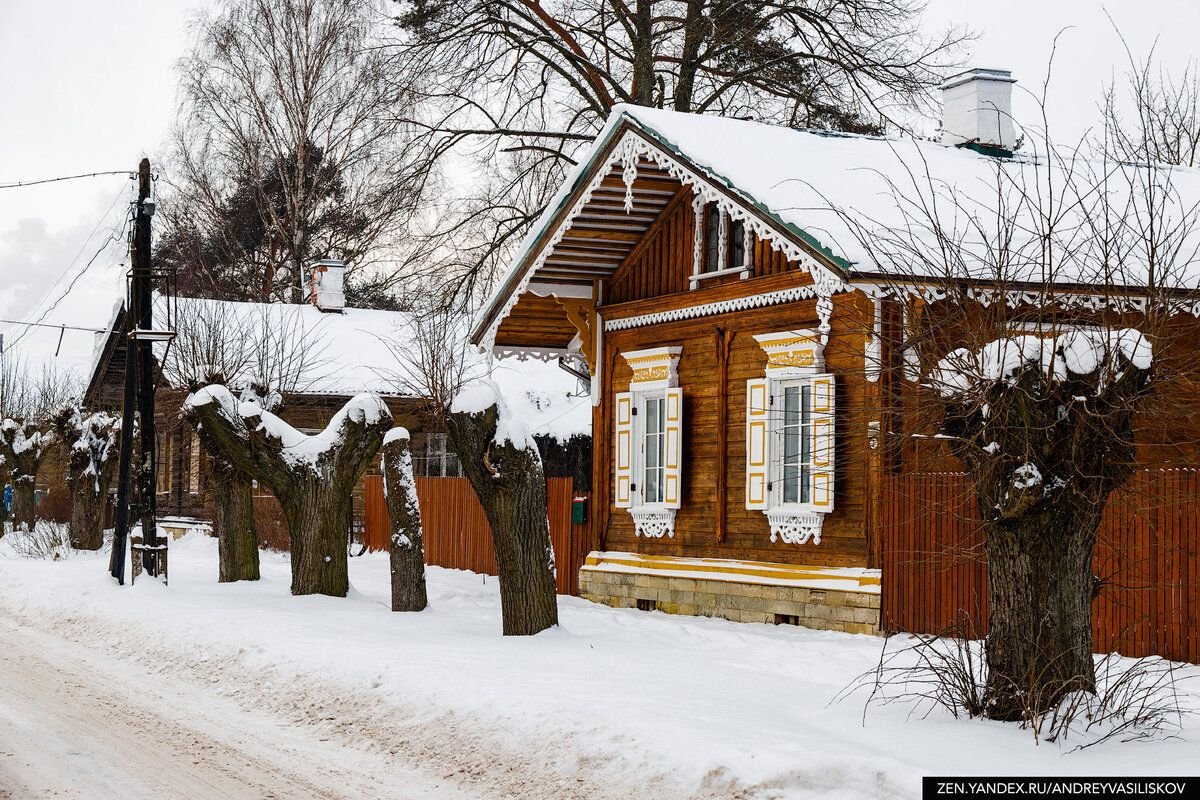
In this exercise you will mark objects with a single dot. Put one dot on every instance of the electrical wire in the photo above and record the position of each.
(50, 325)
(20, 184)
(29, 325)
(78, 253)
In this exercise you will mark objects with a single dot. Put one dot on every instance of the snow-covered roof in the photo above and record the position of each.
(832, 191)
(355, 351)
(348, 352)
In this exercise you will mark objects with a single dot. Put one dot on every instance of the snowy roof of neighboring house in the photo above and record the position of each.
(832, 191)
(355, 351)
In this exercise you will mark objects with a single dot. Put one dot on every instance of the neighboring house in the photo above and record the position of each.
(344, 351)
(694, 263)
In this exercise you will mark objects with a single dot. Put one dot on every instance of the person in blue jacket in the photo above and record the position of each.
(8, 491)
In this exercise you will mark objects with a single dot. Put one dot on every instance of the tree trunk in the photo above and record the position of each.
(407, 548)
(313, 477)
(87, 514)
(318, 514)
(511, 486)
(237, 535)
(24, 503)
(1040, 590)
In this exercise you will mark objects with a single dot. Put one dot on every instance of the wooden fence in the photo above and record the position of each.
(457, 534)
(1147, 555)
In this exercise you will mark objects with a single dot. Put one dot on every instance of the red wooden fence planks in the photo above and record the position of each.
(1147, 554)
(457, 534)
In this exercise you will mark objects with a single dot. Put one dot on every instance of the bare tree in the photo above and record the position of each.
(30, 401)
(286, 150)
(1163, 121)
(1046, 314)
(91, 442)
(312, 476)
(406, 549)
(265, 353)
(515, 88)
(436, 362)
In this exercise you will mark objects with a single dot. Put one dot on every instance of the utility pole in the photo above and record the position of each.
(139, 385)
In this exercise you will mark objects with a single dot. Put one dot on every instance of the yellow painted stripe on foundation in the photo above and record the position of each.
(728, 568)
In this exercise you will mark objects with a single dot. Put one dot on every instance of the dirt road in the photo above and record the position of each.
(77, 723)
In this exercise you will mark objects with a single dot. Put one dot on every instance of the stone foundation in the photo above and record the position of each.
(846, 610)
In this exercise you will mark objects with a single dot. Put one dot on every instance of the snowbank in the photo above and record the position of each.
(613, 703)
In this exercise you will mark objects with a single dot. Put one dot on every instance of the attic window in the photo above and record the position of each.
(723, 245)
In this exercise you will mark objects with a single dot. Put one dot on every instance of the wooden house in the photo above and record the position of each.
(737, 337)
(335, 352)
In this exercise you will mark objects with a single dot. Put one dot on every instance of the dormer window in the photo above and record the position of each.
(723, 245)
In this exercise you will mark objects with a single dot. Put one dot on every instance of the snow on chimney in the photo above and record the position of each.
(326, 292)
(977, 109)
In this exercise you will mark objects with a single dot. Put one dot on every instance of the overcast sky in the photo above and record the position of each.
(89, 86)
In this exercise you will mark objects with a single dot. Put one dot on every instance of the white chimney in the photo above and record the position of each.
(326, 292)
(977, 108)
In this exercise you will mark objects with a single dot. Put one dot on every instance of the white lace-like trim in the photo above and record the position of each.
(1013, 297)
(795, 527)
(824, 309)
(653, 523)
(629, 148)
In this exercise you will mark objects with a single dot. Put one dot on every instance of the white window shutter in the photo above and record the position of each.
(823, 464)
(758, 410)
(673, 467)
(623, 435)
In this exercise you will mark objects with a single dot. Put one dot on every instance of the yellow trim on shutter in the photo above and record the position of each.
(623, 436)
(824, 455)
(758, 409)
(673, 468)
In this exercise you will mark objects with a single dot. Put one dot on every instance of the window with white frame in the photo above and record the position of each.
(790, 437)
(648, 439)
(723, 245)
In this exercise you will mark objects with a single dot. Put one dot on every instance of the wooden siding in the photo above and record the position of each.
(457, 534)
(661, 263)
(747, 535)
(1147, 556)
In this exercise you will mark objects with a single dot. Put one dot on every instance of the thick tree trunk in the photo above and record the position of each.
(511, 486)
(87, 515)
(237, 536)
(1040, 590)
(23, 504)
(318, 516)
(313, 477)
(407, 548)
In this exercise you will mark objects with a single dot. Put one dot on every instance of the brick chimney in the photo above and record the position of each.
(977, 109)
(326, 286)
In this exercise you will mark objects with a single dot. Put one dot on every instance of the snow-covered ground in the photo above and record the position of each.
(612, 704)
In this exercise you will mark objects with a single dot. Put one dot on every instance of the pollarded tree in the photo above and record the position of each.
(265, 353)
(407, 549)
(313, 477)
(501, 459)
(1040, 300)
(23, 445)
(1044, 426)
(91, 441)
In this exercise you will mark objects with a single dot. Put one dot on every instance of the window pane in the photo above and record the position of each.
(737, 241)
(712, 237)
(791, 483)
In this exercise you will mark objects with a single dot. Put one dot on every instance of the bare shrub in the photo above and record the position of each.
(47, 540)
(1134, 699)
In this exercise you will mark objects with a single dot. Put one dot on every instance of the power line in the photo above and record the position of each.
(19, 184)
(75, 259)
(50, 325)
(54, 305)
